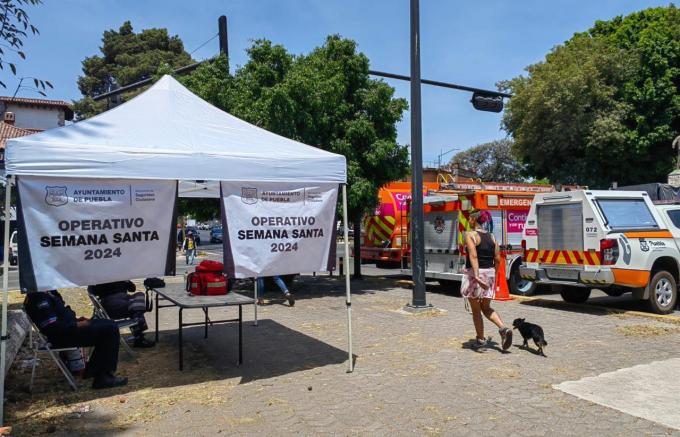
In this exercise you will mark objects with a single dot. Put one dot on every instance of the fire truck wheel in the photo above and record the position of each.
(521, 286)
(452, 287)
(663, 292)
(575, 294)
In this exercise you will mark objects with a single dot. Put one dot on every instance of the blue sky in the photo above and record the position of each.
(470, 43)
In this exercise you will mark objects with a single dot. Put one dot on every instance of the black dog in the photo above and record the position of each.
(529, 330)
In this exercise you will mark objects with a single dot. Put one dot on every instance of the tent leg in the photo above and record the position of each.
(255, 295)
(5, 292)
(348, 302)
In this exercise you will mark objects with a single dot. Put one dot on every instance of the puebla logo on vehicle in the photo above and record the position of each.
(56, 196)
(248, 195)
(644, 246)
(439, 224)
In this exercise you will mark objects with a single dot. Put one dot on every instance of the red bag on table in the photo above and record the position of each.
(208, 279)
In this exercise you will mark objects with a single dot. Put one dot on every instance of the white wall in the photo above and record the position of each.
(34, 118)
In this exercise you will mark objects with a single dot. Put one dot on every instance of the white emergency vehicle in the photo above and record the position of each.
(616, 241)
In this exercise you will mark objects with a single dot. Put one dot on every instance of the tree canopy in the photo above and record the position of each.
(325, 99)
(493, 161)
(604, 106)
(15, 27)
(126, 57)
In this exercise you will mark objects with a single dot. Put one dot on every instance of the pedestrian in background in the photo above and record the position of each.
(189, 247)
(180, 238)
(282, 286)
(479, 280)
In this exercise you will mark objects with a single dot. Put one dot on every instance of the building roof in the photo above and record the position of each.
(8, 131)
(59, 104)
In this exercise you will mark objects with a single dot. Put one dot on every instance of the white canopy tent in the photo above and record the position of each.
(169, 133)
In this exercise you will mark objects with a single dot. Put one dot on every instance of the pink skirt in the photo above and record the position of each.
(471, 289)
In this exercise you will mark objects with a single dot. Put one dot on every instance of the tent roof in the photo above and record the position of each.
(167, 132)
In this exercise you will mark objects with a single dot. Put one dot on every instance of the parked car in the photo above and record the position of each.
(13, 249)
(216, 235)
(614, 241)
(197, 234)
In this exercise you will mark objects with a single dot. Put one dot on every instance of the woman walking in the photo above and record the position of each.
(478, 285)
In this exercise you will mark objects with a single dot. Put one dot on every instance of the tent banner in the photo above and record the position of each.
(278, 228)
(75, 232)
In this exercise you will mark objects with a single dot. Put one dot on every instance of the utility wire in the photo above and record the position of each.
(216, 35)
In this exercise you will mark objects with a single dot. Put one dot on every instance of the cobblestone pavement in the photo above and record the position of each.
(413, 376)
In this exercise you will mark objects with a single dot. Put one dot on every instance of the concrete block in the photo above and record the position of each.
(17, 328)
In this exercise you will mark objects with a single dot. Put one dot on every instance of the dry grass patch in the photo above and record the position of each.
(646, 330)
(503, 373)
(667, 319)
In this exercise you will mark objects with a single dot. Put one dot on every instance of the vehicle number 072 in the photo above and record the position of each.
(591, 230)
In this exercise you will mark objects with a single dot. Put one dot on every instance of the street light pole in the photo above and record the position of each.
(417, 219)
(442, 154)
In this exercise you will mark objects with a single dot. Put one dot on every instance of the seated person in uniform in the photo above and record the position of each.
(59, 324)
(121, 305)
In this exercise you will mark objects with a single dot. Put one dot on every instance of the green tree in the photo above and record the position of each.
(126, 57)
(493, 161)
(325, 99)
(604, 106)
(15, 27)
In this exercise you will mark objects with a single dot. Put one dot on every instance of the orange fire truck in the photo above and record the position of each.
(446, 214)
(386, 229)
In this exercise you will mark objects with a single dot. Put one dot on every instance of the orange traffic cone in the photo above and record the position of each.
(502, 290)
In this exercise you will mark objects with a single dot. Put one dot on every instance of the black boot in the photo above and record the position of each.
(109, 381)
(143, 342)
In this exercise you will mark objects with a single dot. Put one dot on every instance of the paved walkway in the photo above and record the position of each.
(414, 374)
(652, 391)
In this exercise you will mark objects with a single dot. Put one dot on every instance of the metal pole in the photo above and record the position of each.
(224, 40)
(256, 304)
(417, 219)
(439, 83)
(348, 301)
(5, 292)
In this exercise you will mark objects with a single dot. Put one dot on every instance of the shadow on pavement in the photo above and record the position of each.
(269, 350)
(583, 308)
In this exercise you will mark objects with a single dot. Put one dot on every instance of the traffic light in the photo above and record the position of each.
(487, 102)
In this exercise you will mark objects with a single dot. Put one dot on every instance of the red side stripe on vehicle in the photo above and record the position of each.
(589, 259)
(555, 256)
